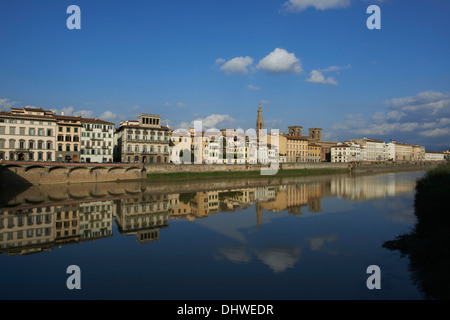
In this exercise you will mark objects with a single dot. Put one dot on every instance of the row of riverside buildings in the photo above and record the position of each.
(34, 134)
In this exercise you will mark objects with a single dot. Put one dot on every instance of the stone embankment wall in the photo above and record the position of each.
(15, 173)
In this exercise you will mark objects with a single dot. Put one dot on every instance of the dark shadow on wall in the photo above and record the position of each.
(11, 184)
(428, 245)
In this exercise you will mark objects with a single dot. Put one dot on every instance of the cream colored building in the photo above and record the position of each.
(142, 141)
(343, 152)
(434, 156)
(143, 216)
(371, 149)
(400, 151)
(96, 219)
(27, 230)
(27, 134)
(418, 153)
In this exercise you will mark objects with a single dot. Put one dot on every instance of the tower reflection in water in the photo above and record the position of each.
(39, 218)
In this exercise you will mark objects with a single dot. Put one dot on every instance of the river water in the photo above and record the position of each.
(291, 238)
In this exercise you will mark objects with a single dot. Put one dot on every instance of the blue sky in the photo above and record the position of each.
(310, 63)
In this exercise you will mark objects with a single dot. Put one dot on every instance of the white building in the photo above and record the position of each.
(434, 156)
(371, 149)
(346, 152)
(97, 140)
(27, 134)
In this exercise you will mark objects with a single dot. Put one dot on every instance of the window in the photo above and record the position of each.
(75, 130)
(59, 147)
(75, 148)
(12, 130)
(60, 129)
(2, 130)
(67, 129)
(67, 147)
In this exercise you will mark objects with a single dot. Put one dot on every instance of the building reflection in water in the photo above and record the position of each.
(30, 229)
(26, 228)
(144, 216)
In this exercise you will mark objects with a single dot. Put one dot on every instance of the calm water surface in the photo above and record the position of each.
(299, 238)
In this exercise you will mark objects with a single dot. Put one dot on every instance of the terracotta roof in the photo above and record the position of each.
(35, 109)
(402, 144)
(67, 118)
(341, 145)
(29, 116)
(95, 121)
(295, 138)
(373, 140)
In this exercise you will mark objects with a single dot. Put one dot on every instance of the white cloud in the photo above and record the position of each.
(251, 87)
(336, 68)
(426, 103)
(387, 128)
(181, 104)
(238, 65)
(108, 116)
(83, 114)
(420, 119)
(211, 121)
(67, 111)
(279, 259)
(236, 254)
(395, 115)
(280, 61)
(6, 104)
(436, 132)
(220, 61)
(316, 243)
(317, 77)
(167, 104)
(265, 101)
(300, 5)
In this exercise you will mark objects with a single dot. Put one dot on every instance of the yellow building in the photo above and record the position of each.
(68, 132)
(314, 152)
(67, 223)
(296, 149)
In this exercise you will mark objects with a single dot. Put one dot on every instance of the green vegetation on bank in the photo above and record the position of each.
(237, 174)
(427, 246)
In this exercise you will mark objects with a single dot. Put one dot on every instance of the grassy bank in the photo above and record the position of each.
(427, 246)
(239, 174)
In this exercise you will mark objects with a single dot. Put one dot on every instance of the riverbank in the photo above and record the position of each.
(427, 245)
(240, 174)
(19, 173)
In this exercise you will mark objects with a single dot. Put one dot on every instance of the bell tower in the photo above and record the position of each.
(259, 121)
